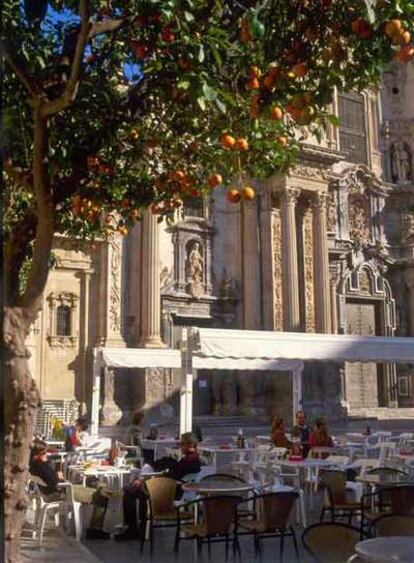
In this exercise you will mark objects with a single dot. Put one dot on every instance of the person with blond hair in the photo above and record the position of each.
(320, 437)
(278, 436)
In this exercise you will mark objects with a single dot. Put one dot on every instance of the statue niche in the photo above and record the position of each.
(194, 269)
(401, 169)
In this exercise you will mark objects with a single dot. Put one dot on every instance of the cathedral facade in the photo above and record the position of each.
(328, 248)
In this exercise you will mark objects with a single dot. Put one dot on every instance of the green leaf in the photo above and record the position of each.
(209, 93)
(183, 84)
(201, 53)
(201, 102)
(333, 120)
(189, 16)
(222, 107)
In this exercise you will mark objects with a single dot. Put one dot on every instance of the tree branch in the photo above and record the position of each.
(69, 95)
(19, 70)
(18, 175)
(45, 228)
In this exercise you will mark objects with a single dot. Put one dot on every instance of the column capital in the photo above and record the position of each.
(290, 195)
(319, 201)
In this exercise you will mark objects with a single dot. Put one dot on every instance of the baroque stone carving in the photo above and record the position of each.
(308, 271)
(332, 212)
(290, 196)
(70, 301)
(401, 169)
(407, 227)
(166, 278)
(194, 270)
(277, 269)
(358, 216)
(115, 286)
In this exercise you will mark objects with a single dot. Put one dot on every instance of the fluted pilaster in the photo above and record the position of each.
(323, 295)
(150, 283)
(290, 278)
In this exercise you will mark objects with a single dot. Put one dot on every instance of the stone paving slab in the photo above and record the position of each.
(57, 547)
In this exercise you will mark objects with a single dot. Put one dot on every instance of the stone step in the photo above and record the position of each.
(383, 413)
(229, 421)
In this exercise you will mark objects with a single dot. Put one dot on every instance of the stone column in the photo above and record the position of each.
(410, 286)
(150, 283)
(334, 305)
(290, 279)
(321, 264)
(86, 278)
(110, 319)
(251, 268)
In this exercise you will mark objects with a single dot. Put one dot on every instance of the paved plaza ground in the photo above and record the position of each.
(60, 548)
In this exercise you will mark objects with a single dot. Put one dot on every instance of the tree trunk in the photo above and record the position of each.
(21, 400)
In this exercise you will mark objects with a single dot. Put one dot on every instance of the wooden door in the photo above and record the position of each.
(361, 378)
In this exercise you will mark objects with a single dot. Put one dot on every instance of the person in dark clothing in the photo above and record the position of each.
(39, 466)
(303, 430)
(187, 465)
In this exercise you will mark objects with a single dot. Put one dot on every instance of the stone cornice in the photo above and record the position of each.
(322, 155)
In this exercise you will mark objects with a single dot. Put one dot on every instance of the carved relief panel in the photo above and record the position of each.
(308, 271)
(277, 268)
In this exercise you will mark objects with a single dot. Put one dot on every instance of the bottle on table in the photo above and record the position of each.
(114, 452)
(367, 430)
(240, 439)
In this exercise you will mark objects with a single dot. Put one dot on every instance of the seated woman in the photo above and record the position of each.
(320, 437)
(278, 436)
(188, 464)
(133, 435)
(40, 466)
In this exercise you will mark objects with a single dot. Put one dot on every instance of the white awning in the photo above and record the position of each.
(140, 358)
(261, 346)
(245, 364)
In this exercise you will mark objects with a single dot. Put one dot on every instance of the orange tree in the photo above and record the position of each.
(114, 106)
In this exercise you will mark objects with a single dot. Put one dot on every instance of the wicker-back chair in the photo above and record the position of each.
(387, 473)
(222, 477)
(271, 519)
(330, 542)
(335, 483)
(394, 525)
(216, 521)
(396, 499)
(161, 509)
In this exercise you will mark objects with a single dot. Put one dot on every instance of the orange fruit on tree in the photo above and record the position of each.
(393, 27)
(248, 193)
(233, 195)
(276, 113)
(215, 180)
(133, 134)
(404, 38)
(228, 141)
(405, 54)
(254, 84)
(300, 70)
(178, 176)
(242, 144)
(255, 72)
(282, 140)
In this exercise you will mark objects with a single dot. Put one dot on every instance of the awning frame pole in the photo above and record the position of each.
(297, 390)
(96, 391)
(186, 389)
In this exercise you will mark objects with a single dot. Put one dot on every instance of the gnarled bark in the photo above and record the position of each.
(21, 399)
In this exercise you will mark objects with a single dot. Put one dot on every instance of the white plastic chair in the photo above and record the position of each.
(44, 508)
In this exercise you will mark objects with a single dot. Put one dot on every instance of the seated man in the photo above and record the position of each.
(303, 430)
(40, 466)
(188, 464)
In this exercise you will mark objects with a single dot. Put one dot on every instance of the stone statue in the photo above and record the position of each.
(194, 270)
(400, 163)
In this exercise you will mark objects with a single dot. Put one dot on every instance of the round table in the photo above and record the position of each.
(376, 479)
(217, 487)
(391, 549)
